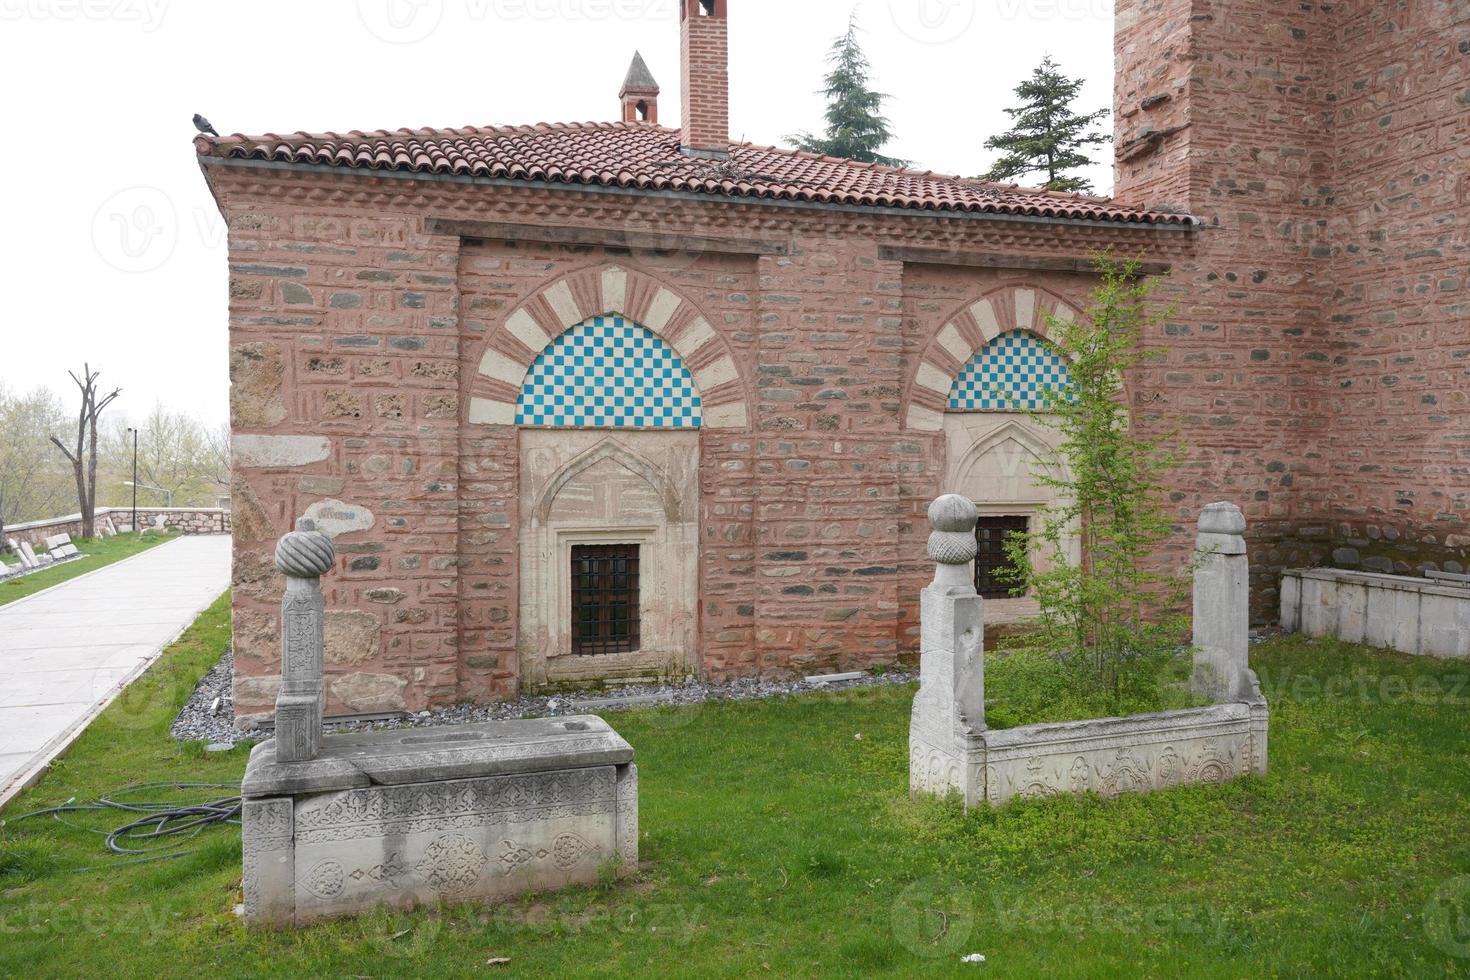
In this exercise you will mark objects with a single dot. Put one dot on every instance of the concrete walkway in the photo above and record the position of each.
(66, 652)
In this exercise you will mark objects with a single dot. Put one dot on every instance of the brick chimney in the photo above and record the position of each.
(639, 94)
(704, 42)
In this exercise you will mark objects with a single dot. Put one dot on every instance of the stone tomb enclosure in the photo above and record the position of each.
(341, 824)
(951, 750)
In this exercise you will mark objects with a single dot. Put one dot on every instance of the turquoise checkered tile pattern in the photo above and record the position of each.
(1010, 372)
(608, 372)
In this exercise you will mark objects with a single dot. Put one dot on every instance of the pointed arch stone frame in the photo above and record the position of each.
(1014, 306)
(611, 448)
(604, 290)
(669, 586)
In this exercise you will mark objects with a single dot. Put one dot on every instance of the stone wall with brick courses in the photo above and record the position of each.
(344, 324)
(1399, 448)
(357, 330)
(1318, 326)
(1220, 109)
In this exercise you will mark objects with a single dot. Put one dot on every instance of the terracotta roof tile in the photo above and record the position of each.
(637, 155)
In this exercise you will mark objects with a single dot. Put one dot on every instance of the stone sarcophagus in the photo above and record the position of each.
(447, 814)
(343, 823)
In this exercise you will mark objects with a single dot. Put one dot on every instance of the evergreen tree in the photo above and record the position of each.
(1046, 136)
(856, 127)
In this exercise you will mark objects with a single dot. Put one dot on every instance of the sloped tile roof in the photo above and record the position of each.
(645, 157)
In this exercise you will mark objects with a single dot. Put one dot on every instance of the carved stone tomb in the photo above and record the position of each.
(340, 824)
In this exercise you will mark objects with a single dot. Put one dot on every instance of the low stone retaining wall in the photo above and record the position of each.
(1411, 615)
(188, 520)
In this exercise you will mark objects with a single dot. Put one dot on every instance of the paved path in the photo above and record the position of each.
(68, 651)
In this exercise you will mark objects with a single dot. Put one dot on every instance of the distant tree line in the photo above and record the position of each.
(179, 458)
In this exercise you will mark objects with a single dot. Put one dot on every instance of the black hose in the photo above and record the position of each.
(164, 827)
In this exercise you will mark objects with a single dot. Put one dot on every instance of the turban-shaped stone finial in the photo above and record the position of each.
(952, 542)
(1221, 517)
(305, 552)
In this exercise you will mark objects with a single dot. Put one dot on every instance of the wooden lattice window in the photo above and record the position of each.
(604, 598)
(991, 560)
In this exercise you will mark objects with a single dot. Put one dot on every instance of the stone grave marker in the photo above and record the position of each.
(339, 824)
(951, 749)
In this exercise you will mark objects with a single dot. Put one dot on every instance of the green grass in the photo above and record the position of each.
(1025, 686)
(99, 552)
(777, 842)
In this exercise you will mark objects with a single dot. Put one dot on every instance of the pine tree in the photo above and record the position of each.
(1046, 135)
(856, 127)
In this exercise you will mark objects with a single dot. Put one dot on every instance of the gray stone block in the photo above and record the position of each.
(458, 813)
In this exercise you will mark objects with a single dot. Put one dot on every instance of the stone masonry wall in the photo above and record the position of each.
(359, 327)
(1317, 350)
(1242, 112)
(1399, 445)
(185, 520)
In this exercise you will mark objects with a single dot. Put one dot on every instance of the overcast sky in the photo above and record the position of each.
(113, 251)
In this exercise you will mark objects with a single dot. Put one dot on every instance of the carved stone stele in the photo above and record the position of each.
(303, 555)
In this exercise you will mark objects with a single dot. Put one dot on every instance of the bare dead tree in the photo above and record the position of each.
(84, 459)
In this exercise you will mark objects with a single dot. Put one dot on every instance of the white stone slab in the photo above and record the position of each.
(1401, 612)
(277, 451)
(334, 517)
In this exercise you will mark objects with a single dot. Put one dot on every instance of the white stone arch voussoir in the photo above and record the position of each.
(1016, 306)
(599, 290)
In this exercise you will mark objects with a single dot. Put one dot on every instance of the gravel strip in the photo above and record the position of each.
(202, 719)
(209, 714)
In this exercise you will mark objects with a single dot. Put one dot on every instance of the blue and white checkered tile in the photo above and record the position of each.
(608, 372)
(1010, 372)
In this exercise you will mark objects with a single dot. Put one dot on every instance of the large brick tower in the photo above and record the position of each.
(1321, 351)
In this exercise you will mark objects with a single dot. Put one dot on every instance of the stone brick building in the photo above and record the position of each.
(1321, 350)
(609, 400)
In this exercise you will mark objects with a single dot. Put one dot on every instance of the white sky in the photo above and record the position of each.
(113, 251)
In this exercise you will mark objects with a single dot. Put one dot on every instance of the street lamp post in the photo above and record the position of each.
(135, 478)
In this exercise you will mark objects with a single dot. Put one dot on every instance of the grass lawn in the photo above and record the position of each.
(99, 552)
(778, 842)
